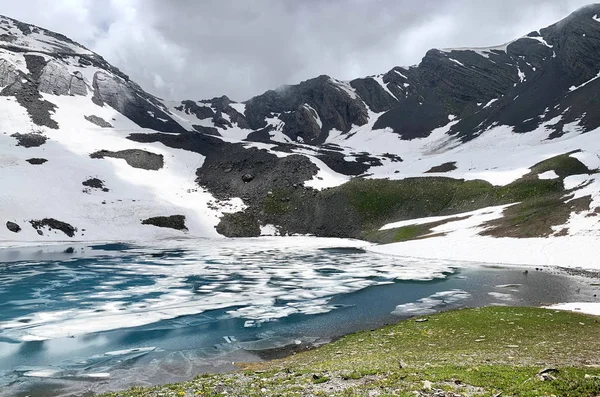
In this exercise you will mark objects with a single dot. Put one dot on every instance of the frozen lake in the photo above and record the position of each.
(93, 318)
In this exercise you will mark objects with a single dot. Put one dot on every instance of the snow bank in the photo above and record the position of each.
(569, 251)
(592, 308)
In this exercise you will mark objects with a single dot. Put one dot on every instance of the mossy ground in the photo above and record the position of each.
(541, 202)
(473, 352)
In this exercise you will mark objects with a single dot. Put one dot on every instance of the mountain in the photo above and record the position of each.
(505, 136)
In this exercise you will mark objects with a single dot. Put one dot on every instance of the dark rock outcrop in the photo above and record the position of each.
(56, 79)
(136, 158)
(176, 222)
(99, 121)
(333, 101)
(36, 161)
(30, 140)
(53, 224)
(446, 167)
(13, 227)
(95, 183)
(201, 112)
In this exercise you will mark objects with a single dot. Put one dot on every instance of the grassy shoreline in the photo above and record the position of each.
(467, 352)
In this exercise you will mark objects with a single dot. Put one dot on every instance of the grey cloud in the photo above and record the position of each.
(200, 49)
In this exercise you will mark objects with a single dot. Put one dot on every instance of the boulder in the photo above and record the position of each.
(13, 227)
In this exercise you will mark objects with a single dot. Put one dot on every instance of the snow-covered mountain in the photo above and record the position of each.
(87, 154)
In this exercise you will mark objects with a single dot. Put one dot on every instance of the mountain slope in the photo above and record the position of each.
(88, 154)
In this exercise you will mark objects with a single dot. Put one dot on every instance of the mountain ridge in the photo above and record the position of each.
(298, 159)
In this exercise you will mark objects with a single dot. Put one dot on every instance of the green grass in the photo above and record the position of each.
(479, 352)
(368, 204)
(377, 200)
(564, 165)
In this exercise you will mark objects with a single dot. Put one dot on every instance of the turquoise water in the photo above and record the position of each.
(98, 318)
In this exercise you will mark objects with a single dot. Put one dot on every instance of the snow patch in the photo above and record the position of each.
(490, 103)
(573, 88)
(548, 175)
(592, 308)
(432, 303)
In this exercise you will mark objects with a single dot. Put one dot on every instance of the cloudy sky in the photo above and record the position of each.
(203, 48)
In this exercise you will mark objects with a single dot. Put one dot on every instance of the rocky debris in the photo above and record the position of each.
(28, 96)
(176, 222)
(239, 224)
(446, 167)
(99, 121)
(95, 183)
(36, 161)
(136, 158)
(547, 374)
(265, 170)
(131, 101)
(13, 227)
(53, 224)
(276, 195)
(30, 140)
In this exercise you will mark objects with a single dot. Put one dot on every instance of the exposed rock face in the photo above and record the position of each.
(55, 79)
(191, 107)
(335, 103)
(30, 140)
(136, 158)
(131, 101)
(8, 73)
(53, 224)
(373, 94)
(214, 109)
(176, 222)
(13, 227)
(99, 121)
(78, 85)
